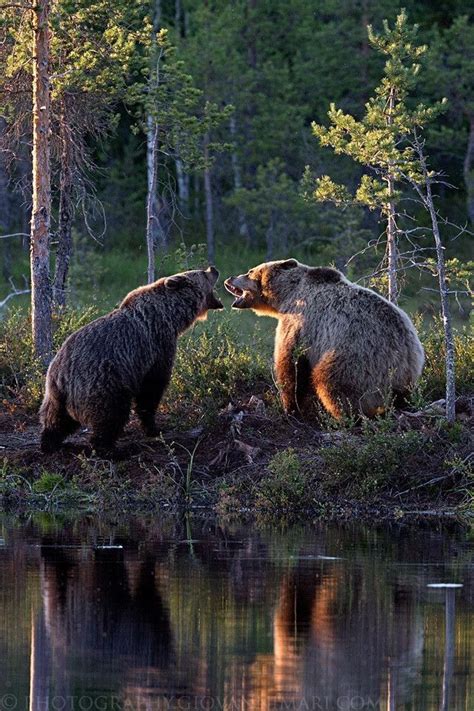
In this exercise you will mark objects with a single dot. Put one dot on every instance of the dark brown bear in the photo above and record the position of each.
(122, 359)
(335, 340)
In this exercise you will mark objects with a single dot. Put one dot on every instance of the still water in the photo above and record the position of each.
(186, 614)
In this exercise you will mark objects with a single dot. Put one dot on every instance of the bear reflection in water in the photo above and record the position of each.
(150, 625)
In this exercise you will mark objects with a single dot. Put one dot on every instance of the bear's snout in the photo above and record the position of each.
(213, 302)
(244, 289)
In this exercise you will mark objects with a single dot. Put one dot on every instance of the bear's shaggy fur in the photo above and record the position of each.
(124, 358)
(343, 343)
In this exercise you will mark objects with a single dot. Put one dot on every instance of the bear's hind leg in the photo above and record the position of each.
(57, 424)
(328, 388)
(107, 425)
(55, 433)
(304, 391)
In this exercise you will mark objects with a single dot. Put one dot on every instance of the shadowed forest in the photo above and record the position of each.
(138, 140)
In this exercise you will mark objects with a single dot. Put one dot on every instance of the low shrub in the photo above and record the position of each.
(285, 487)
(21, 374)
(363, 466)
(211, 367)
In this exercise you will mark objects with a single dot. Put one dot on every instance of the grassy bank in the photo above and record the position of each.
(227, 445)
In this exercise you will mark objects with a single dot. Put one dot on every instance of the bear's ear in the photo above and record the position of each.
(212, 274)
(288, 264)
(178, 281)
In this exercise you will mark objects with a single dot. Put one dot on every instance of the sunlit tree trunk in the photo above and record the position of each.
(445, 310)
(152, 134)
(209, 204)
(151, 211)
(41, 210)
(450, 365)
(468, 171)
(392, 256)
(66, 215)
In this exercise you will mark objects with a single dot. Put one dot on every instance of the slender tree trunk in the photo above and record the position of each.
(41, 211)
(445, 309)
(177, 17)
(152, 217)
(66, 216)
(152, 221)
(426, 196)
(243, 227)
(468, 171)
(197, 196)
(392, 252)
(182, 179)
(209, 204)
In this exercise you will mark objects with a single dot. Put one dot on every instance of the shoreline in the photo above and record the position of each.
(250, 461)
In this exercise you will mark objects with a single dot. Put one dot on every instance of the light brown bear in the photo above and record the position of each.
(122, 359)
(343, 343)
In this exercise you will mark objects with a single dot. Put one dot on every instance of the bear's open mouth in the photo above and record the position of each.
(237, 292)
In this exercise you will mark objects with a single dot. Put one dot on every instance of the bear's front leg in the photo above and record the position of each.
(286, 358)
(149, 396)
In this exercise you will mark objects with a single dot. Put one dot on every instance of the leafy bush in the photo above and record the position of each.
(363, 466)
(285, 488)
(21, 374)
(211, 365)
(48, 483)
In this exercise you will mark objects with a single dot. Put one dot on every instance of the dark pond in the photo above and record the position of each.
(186, 614)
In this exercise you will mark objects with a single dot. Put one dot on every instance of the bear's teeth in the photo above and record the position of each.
(233, 289)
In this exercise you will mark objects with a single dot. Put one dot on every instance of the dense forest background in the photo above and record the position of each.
(241, 82)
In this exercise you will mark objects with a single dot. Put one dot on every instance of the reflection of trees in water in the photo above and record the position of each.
(222, 618)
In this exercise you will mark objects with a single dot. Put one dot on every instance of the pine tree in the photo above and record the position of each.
(389, 140)
(375, 141)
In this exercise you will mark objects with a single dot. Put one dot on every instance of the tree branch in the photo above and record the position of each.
(15, 234)
(15, 292)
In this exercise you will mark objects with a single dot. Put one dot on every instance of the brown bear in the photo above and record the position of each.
(123, 358)
(343, 343)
